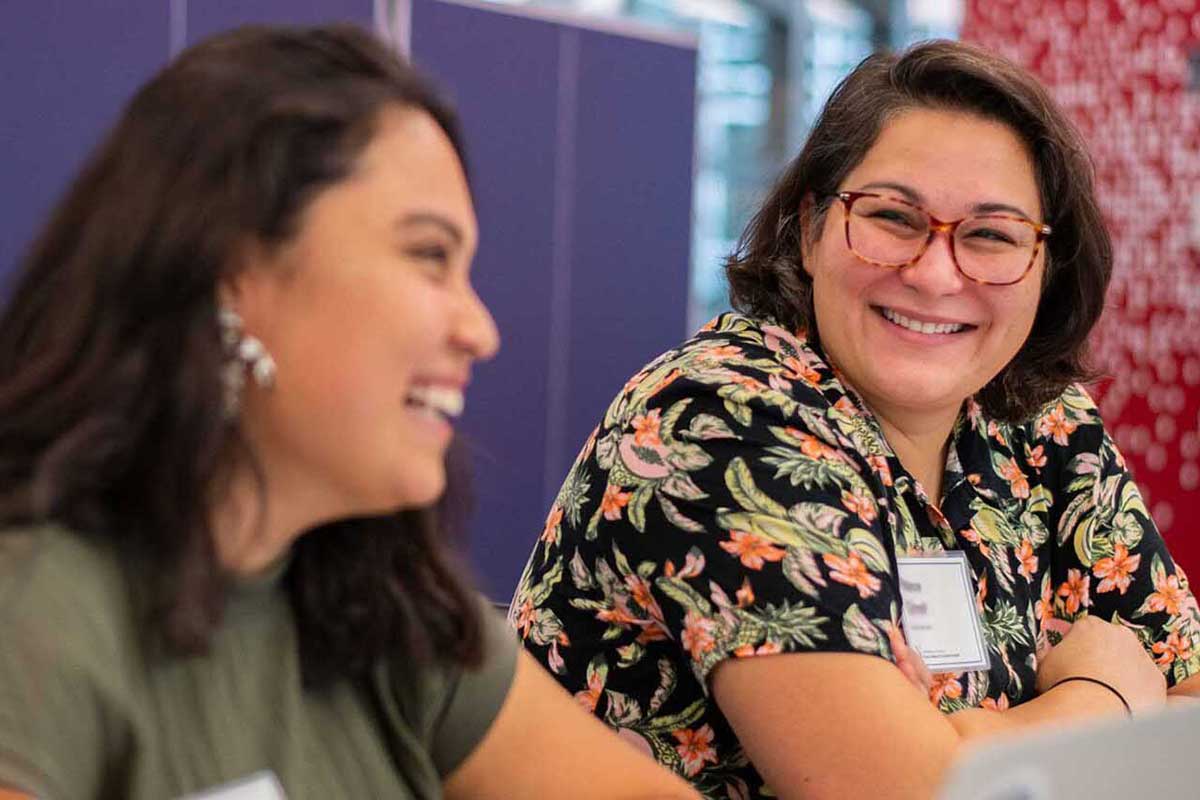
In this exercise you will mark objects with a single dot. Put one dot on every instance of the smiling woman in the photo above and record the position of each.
(735, 571)
(229, 375)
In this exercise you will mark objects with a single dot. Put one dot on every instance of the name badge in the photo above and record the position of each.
(939, 614)
(259, 786)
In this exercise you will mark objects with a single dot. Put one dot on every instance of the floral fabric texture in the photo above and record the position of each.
(736, 500)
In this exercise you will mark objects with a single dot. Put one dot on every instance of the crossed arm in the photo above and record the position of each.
(848, 725)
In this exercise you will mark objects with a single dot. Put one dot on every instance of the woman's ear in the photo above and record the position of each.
(248, 286)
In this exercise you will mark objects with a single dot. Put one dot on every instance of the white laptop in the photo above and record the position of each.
(1147, 758)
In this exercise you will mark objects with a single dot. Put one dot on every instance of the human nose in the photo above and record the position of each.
(935, 271)
(475, 330)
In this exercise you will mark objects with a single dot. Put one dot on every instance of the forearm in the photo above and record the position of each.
(1187, 688)
(1075, 701)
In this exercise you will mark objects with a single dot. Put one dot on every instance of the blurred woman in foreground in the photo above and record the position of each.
(228, 376)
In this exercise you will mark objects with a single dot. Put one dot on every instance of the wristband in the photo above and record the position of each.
(1098, 682)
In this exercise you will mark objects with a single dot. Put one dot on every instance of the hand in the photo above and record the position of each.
(1111, 653)
(909, 661)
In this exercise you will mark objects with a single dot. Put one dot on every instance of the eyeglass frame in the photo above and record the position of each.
(1041, 230)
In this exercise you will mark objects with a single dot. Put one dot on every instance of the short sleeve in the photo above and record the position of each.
(476, 696)
(53, 730)
(745, 521)
(1112, 560)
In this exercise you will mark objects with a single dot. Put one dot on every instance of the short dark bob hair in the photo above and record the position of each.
(766, 276)
(110, 358)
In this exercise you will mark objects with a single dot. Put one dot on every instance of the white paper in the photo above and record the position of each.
(940, 619)
(259, 786)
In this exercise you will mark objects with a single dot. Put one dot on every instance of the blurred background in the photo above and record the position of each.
(617, 149)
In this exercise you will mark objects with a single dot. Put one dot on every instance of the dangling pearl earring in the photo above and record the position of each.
(242, 352)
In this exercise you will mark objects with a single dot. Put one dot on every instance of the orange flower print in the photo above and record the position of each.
(551, 530)
(745, 595)
(1117, 570)
(945, 684)
(667, 380)
(635, 381)
(795, 368)
(1168, 596)
(1175, 647)
(1044, 607)
(645, 429)
(880, 466)
(995, 705)
(852, 572)
(995, 432)
(698, 634)
(1076, 590)
(1017, 481)
(813, 447)
(1029, 561)
(766, 649)
(525, 617)
(1056, 424)
(1037, 457)
(640, 590)
(972, 536)
(845, 406)
(981, 593)
(617, 613)
(614, 500)
(591, 695)
(719, 352)
(695, 748)
(746, 382)
(752, 550)
(860, 503)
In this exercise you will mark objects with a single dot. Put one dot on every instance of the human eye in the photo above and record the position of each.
(995, 233)
(431, 255)
(893, 214)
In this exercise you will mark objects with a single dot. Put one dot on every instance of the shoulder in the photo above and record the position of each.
(1071, 420)
(743, 367)
(65, 624)
(65, 610)
(58, 581)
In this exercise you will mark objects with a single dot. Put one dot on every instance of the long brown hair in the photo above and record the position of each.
(766, 276)
(110, 358)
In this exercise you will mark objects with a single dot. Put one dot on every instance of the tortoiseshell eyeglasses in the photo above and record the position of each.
(992, 249)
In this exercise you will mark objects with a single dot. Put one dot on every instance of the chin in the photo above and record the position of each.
(420, 494)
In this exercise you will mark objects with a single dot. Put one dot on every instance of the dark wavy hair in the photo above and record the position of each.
(765, 273)
(110, 358)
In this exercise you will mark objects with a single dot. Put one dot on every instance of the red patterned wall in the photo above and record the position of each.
(1121, 68)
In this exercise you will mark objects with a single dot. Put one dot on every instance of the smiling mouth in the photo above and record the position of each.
(441, 400)
(899, 320)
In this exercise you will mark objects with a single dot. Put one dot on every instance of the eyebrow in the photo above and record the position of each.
(421, 218)
(913, 196)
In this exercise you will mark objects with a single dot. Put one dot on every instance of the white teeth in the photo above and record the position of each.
(922, 327)
(442, 399)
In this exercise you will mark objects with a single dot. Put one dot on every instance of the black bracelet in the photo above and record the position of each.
(1098, 682)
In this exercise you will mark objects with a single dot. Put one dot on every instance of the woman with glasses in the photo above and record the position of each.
(229, 373)
(872, 515)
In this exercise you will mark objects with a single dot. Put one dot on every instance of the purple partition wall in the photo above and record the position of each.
(501, 73)
(205, 17)
(66, 68)
(580, 142)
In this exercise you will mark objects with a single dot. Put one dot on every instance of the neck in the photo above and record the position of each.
(249, 531)
(920, 440)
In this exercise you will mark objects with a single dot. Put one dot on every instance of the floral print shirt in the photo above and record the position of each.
(737, 500)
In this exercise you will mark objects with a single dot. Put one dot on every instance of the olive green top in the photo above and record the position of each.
(89, 709)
